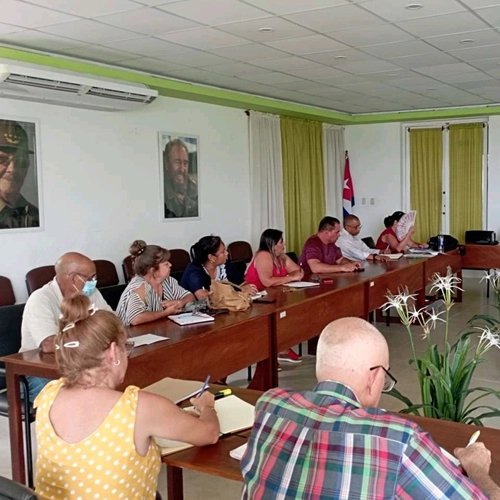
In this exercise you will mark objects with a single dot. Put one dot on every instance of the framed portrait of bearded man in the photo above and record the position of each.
(179, 176)
(20, 176)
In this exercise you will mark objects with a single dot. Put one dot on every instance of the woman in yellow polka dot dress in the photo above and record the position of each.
(94, 441)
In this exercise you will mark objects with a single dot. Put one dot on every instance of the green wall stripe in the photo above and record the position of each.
(194, 92)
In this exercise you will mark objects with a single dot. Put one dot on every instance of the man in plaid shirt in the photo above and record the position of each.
(334, 443)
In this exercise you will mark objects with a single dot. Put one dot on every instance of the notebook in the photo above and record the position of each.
(301, 284)
(392, 256)
(191, 318)
(175, 389)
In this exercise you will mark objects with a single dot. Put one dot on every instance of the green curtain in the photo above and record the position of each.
(303, 179)
(426, 167)
(466, 178)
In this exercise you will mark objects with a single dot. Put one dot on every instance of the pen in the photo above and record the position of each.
(473, 438)
(204, 387)
(222, 394)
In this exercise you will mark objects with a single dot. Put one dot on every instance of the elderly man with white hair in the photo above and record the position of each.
(334, 443)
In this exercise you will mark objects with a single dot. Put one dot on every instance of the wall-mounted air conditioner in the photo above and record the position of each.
(30, 83)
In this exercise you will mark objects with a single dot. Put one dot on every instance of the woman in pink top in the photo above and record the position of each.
(388, 239)
(271, 266)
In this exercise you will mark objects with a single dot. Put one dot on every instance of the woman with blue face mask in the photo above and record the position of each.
(152, 293)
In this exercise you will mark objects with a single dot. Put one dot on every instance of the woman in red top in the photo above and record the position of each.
(271, 266)
(388, 239)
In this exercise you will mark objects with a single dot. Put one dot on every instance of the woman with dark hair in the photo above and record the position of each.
(93, 440)
(209, 262)
(271, 266)
(152, 293)
(388, 239)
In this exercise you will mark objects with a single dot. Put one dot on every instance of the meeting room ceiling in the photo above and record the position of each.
(355, 56)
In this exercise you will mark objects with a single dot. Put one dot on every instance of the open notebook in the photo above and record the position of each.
(234, 413)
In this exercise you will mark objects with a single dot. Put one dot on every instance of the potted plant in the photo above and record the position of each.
(444, 374)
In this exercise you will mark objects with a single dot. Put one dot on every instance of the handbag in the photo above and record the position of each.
(449, 243)
(224, 296)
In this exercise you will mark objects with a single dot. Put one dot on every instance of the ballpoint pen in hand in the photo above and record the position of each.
(473, 438)
(204, 387)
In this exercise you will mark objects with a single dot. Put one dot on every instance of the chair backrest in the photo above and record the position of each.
(106, 273)
(11, 318)
(112, 294)
(240, 250)
(369, 242)
(293, 256)
(179, 258)
(38, 277)
(7, 297)
(128, 268)
(10, 490)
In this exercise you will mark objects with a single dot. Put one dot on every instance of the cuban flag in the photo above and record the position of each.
(348, 195)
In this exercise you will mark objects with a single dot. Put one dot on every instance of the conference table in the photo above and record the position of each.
(237, 340)
(215, 459)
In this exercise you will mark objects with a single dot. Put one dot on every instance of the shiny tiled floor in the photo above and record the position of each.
(201, 486)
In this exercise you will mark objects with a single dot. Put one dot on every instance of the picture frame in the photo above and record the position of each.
(179, 176)
(21, 200)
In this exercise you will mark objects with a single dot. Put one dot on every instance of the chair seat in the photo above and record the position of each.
(4, 408)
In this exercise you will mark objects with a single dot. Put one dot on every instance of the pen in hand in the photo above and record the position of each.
(204, 387)
(473, 438)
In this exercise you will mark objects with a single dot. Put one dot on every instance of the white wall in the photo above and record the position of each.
(494, 176)
(376, 168)
(100, 174)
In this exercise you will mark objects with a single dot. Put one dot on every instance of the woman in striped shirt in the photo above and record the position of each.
(152, 293)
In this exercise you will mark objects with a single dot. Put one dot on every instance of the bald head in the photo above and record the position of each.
(72, 270)
(350, 220)
(347, 349)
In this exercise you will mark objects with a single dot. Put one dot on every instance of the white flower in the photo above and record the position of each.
(489, 338)
(433, 317)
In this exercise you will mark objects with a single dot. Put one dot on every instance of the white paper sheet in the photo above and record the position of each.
(147, 338)
(301, 284)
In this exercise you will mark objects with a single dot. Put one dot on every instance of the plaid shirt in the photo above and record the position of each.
(322, 444)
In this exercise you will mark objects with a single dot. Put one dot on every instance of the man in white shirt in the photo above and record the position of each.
(75, 273)
(353, 247)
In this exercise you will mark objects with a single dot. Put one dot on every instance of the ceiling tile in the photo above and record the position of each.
(198, 76)
(6, 29)
(372, 35)
(351, 108)
(214, 12)
(446, 69)
(399, 49)
(250, 29)
(289, 6)
(323, 90)
(31, 16)
(89, 31)
(194, 58)
(87, 8)
(419, 61)
(487, 64)
(475, 53)
(477, 4)
(315, 73)
(248, 52)
(443, 25)
(299, 85)
(394, 10)
(203, 38)
(96, 53)
(452, 42)
(491, 15)
(472, 76)
(307, 44)
(270, 78)
(147, 46)
(154, 3)
(339, 80)
(388, 76)
(367, 67)
(236, 69)
(339, 57)
(147, 21)
(151, 65)
(286, 63)
(40, 41)
(335, 18)
(471, 101)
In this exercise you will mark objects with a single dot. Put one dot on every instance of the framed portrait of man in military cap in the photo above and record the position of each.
(20, 185)
(179, 176)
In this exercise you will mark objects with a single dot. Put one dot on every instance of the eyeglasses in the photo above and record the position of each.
(87, 278)
(129, 347)
(355, 227)
(389, 382)
(19, 161)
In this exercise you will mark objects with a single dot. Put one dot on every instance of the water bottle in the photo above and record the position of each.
(440, 243)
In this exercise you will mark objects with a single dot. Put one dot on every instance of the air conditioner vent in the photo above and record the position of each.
(116, 94)
(43, 83)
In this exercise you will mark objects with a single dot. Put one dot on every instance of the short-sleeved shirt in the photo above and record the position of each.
(105, 464)
(314, 248)
(196, 277)
(42, 311)
(323, 445)
(131, 305)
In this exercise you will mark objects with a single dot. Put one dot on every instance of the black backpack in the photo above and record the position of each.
(450, 243)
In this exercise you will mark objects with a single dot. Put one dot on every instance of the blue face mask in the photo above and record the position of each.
(88, 287)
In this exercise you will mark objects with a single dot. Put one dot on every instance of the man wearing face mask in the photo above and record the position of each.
(75, 273)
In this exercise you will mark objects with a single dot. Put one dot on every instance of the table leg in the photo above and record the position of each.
(175, 486)
(459, 292)
(15, 427)
(312, 345)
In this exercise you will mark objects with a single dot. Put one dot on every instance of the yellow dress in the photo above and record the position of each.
(104, 465)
